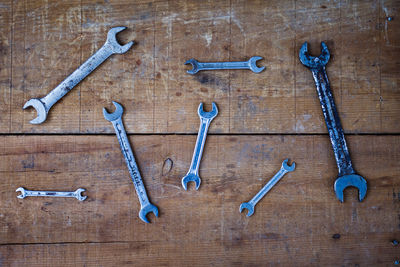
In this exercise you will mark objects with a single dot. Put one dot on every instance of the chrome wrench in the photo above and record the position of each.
(253, 202)
(205, 120)
(235, 65)
(28, 193)
(347, 175)
(110, 47)
(115, 119)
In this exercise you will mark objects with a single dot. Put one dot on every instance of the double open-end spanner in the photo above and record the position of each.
(110, 47)
(253, 202)
(347, 176)
(28, 193)
(115, 119)
(205, 120)
(235, 65)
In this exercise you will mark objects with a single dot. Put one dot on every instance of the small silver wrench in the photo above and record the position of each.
(110, 47)
(347, 175)
(27, 193)
(115, 119)
(251, 204)
(235, 65)
(205, 120)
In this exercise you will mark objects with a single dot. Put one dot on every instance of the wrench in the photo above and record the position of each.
(205, 120)
(236, 65)
(347, 175)
(253, 202)
(110, 47)
(115, 119)
(27, 193)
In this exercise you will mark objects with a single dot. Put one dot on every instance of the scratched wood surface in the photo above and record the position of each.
(299, 223)
(42, 42)
(263, 119)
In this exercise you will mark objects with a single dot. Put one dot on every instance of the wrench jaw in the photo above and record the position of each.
(117, 114)
(247, 206)
(191, 177)
(314, 62)
(253, 66)
(208, 115)
(354, 180)
(23, 192)
(145, 210)
(195, 66)
(40, 108)
(288, 168)
(78, 195)
(113, 43)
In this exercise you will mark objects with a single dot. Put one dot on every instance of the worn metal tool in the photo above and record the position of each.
(236, 65)
(253, 202)
(347, 176)
(27, 193)
(115, 119)
(205, 120)
(110, 47)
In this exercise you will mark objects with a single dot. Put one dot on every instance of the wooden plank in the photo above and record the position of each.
(5, 63)
(267, 249)
(51, 39)
(389, 67)
(295, 222)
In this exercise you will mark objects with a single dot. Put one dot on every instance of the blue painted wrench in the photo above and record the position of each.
(235, 65)
(205, 120)
(115, 119)
(285, 168)
(347, 175)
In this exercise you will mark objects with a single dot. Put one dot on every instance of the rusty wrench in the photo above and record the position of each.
(110, 47)
(115, 119)
(347, 175)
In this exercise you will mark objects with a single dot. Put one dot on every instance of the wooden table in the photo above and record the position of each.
(263, 119)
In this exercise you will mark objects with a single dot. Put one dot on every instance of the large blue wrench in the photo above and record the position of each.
(347, 175)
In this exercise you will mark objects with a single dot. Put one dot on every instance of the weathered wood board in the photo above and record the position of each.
(263, 119)
(45, 41)
(299, 222)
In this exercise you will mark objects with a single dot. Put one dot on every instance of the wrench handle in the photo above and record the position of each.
(332, 121)
(78, 75)
(268, 187)
(49, 193)
(198, 150)
(131, 162)
(236, 65)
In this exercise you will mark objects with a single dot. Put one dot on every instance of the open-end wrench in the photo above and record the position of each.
(110, 47)
(205, 120)
(347, 176)
(235, 65)
(115, 119)
(253, 202)
(27, 193)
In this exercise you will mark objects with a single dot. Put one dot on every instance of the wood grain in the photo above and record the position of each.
(294, 223)
(51, 39)
(263, 119)
(5, 66)
(268, 249)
